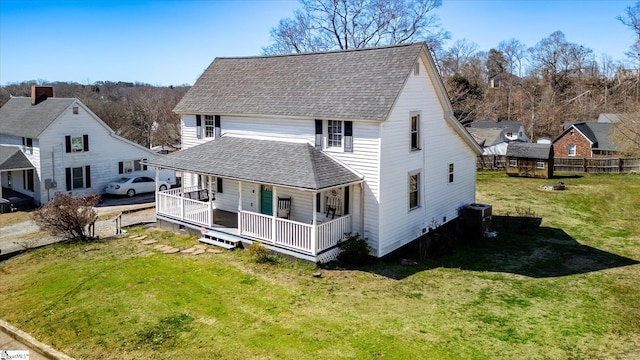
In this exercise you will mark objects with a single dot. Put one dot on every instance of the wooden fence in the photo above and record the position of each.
(571, 164)
(597, 165)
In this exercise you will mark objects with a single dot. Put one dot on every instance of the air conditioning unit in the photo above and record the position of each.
(476, 219)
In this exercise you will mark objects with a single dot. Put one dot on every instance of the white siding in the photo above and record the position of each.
(440, 146)
(364, 159)
(105, 151)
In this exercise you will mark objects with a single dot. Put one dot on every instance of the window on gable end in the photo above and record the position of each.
(571, 150)
(415, 132)
(450, 173)
(76, 110)
(416, 68)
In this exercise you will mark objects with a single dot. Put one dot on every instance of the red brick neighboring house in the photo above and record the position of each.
(584, 139)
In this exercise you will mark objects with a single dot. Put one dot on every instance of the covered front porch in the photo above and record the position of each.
(271, 189)
(319, 234)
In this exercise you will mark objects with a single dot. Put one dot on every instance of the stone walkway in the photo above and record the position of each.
(168, 249)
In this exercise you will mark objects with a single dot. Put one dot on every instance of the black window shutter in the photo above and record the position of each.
(24, 141)
(346, 200)
(348, 136)
(24, 179)
(318, 134)
(120, 167)
(67, 142)
(198, 126)
(87, 176)
(216, 120)
(85, 140)
(68, 178)
(219, 185)
(318, 202)
(144, 167)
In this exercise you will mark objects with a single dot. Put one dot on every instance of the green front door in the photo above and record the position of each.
(266, 200)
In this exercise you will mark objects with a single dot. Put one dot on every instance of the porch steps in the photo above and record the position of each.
(223, 240)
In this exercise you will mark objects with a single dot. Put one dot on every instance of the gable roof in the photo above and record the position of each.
(529, 150)
(596, 133)
(296, 165)
(358, 84)
(12, 158)
(19, 118)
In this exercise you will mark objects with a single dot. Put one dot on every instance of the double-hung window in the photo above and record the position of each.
(415, 132)
(450, 173)
(334, 134)
(78, 177)
(571, 150)
(209, 126)
(414, 190)
(76, 143)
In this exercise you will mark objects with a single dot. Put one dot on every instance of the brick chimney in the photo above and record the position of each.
(40, 93)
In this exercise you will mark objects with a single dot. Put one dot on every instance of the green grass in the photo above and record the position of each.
(569, 289)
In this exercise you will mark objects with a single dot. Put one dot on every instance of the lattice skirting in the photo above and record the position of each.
(328, 255)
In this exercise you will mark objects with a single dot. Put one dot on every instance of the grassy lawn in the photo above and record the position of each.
(568, 289)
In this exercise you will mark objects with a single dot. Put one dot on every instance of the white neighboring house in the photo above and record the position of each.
(63, 146)
(494, 137)
(304, 148)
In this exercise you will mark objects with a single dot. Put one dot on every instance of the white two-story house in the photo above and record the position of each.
(50, 144)
(301, 149)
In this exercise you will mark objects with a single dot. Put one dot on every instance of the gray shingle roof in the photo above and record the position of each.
(19, 118)
(508, 125)
(12, 158)
(597, 133)
(297, 165)
(358, 84)
(529, 150)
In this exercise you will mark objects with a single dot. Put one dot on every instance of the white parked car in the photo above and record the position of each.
(132, 185)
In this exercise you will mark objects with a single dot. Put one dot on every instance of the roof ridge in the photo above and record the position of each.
(337, 51)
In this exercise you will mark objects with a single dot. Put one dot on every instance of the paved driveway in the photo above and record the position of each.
(112, 200)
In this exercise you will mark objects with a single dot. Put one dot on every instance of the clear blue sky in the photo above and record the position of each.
(171, 42)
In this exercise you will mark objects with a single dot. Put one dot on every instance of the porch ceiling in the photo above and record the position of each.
(12, 158)
(296, 165)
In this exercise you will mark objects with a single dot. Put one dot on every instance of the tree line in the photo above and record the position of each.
(543, 85)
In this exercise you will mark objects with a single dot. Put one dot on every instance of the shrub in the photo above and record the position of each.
(353, 250)
(67, 216)
(259, 252)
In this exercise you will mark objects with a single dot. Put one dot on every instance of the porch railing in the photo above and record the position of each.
(288, 234)
(331, 232)
(256, 225)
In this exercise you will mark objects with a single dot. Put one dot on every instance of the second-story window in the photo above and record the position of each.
(76, 143)
(415, 132)
(209, 126)
(334, 134)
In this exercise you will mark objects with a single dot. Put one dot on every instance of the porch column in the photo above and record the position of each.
(314, 225)
(210, 201)
(240, 206)
(274, 212)
(181, 195)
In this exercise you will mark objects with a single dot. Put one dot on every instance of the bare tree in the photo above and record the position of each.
(625, 133)
(351, 24)
(67, 216)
